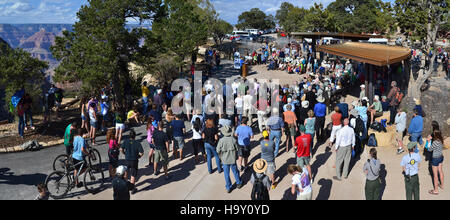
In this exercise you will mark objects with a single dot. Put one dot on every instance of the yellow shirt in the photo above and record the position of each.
(130, 113)
(145, 91)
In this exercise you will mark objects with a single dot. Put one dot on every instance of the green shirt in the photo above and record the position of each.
(377, 106)
(68, 139)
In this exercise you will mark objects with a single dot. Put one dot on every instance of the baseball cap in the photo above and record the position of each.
(121, 170)
(412, 145)
(265, 134)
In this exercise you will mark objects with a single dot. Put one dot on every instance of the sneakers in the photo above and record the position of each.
(134, 191)
(239, 186)
(80, 184)
(400, 150)
(228, 191)
(337, 178)
(275, 186)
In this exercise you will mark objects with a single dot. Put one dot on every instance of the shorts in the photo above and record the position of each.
(243, 151)
(151, 146)
(161, 156)
(436, 161)
(303, 161)
(178, 143)
(83, 118)
(132, 167)
(93, 124)
(120, 126)
(292, 131)
(378, 114)
(76, 163)
(271, 168)
(399, 136)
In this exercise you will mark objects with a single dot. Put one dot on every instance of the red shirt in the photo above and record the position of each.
(303, 143)
(336, 118)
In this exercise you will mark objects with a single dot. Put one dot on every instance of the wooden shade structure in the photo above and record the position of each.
(375, 54)
(318, 35)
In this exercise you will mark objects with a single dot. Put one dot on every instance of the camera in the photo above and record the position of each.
(407, 177)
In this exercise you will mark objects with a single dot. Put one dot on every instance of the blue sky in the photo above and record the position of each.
(64, 11)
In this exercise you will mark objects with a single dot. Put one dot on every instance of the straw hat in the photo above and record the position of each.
(417, 101)
(260, 166)
(320, 99)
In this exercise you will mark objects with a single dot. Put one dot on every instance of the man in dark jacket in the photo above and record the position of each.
(121, 187)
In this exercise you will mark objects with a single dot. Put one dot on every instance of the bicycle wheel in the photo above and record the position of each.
(58, 184)
(95, 160)
(94, 180)
(60, 163)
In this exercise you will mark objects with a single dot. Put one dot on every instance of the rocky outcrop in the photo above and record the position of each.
(39, 45)
(435, 102)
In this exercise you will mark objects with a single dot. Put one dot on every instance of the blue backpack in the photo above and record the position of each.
(372, 142)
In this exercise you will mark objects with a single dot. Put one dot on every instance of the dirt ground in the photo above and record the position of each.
(9, 136)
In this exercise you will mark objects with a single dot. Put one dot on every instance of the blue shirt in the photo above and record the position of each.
(244, 134)
(411, 163)
(156, 115)
(343, 107)
(275, 123)
(78, 145)
(177, 126)
(320, 110)
(416, 125)
(362, 111)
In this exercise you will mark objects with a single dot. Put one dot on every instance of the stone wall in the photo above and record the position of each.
(435, 102)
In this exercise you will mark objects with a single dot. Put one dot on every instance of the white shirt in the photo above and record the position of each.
(345, 137)
(239, 102)
(248, 102)
(235, 86)
(196, 135)
(303, 182)
(400, 122)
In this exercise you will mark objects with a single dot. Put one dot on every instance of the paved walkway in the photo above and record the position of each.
(20, 172)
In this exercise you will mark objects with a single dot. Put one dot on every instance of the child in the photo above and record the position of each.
(43, 192)
(113, 153)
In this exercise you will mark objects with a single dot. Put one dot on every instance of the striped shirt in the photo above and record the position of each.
(436, 147)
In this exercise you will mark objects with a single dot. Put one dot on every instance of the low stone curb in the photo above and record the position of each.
(18, 148)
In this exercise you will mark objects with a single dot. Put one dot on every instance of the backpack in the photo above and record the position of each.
(59, 95)
(372, 142)
(376, 126)
(398, 97)
(259, 191)
(359, 127)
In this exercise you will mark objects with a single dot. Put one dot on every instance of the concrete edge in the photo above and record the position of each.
(17, 148)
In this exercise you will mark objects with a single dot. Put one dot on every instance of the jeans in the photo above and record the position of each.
(226, 172)
(145, 105)
(28, 115)
(21, 125)
(210, 152)
(417, 137)
(277, 136)
(319, 126)
(393, 111)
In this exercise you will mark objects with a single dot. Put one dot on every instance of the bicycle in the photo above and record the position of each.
(62, 161)
(59, 183)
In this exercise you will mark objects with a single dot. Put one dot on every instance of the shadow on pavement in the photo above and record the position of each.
(288, 195)
(7, 177)
(320, 160)
(282, 171)
(325, 189)
(383, 174)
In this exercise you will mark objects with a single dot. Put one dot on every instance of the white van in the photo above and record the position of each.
(252, 31)
(241, 33)
(378, 41)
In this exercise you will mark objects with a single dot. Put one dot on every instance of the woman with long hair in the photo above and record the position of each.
(210, 135)
(301, 183)
(93, 121)
(437, 160)
(113, 152)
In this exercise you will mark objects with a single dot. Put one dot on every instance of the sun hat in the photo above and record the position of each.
(363, 86)
(320, 99)
(260, 166)
(377, 98)
(417, 101)
(305, 104)
(412, 145)
(226, 130)
(121, 170)
(265, 134)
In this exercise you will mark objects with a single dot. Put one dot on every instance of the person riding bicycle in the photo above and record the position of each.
(78, 156)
